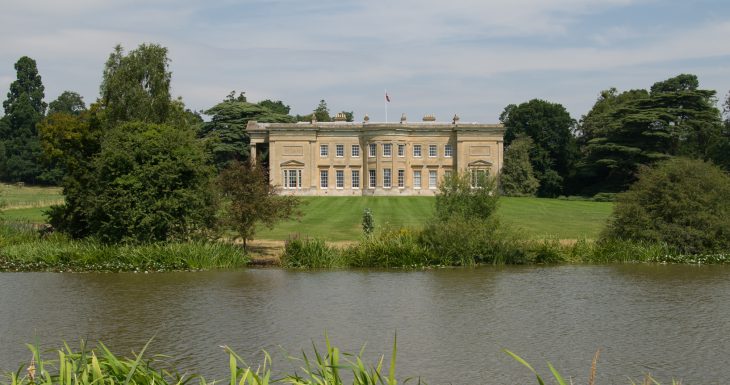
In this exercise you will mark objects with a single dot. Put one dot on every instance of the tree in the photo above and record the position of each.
(250, 200)
(681, 202)
(136, 86)
(277, 107)
(322, 113)
(624, 131)
(226, 131)
(24, 108)
(549, 125)
(516, 177)
(68, 102)
(149, 183)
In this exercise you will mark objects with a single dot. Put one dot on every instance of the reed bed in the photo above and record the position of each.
(22, 248)
(99, 366)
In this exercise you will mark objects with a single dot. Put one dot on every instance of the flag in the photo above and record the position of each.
(387, 98)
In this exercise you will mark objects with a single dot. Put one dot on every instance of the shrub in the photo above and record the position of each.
(458, 197)
(682, 203)
(393, 248)
(311, 253)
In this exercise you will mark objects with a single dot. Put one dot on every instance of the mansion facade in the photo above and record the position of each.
(344, 158)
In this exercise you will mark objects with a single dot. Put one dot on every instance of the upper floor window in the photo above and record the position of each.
(417, 150)
(372, 149)
(339, 150)
(448, 151)
(432, 151)
(401, 150)
(355, 150)
(324, 150)
(387, 149)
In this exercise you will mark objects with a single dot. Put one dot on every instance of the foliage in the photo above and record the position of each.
(368, 222)
(391, 249)
(311, 254)
(680, 202)
(322, 112)
(136, 86)
(549, 125)
(68, 102)
(24, 248)
(226, 131)
(516, 177)
(148, 183)
(457, 198)
(625, 131)
(251, 200)
(24, 108)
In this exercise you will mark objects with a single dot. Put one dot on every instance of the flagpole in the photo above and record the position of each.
(386, 106)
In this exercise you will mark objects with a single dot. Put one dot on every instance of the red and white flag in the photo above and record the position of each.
(387, 98)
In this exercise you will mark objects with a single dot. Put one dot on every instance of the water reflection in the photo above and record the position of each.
(671, 321)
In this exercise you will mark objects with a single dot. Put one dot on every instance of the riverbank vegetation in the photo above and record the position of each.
(99, 366)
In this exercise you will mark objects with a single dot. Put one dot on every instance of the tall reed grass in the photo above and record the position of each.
(23, 249)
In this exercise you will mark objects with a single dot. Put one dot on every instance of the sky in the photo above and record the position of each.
(465, 57)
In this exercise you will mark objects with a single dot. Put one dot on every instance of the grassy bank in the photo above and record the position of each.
(22, 248)
(99, 366)
(339, 218)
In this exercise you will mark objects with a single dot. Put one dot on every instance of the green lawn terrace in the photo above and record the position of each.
(340, 218)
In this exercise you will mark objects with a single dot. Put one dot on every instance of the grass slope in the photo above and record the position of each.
(339, 218)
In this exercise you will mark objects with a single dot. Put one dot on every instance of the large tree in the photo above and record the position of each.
(637, 127)
(517, 177)
(226, 131)
(550, 126)
(24, 108)
(68, 102)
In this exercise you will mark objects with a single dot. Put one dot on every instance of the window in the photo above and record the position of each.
(448, 151)
(355, 150)
(416, 179)
(324, 150)
(355, 178)
(372, 150)
(401, 178)
(340, 178)
(323, 178)
(386, 178)
(371, 178)
(432, 151)
(339, 150)
(478, 177)
(447, 174)
(292, 179)
(401, 150)
(417, 150)
(387, 149)
(432, 179)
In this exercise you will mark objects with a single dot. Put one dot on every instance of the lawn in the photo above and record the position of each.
(339, 218)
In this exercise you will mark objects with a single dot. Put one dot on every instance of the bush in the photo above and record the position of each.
(457, 197)
(682, 203)
(311, 253)
(393, 248)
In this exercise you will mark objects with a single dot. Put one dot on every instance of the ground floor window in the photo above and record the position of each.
(323, 178)
(340, 178)
(355, 178)
(417, 179)
(292, 179)
(479, 177)
(432, 179)
(387, 177)
(401, 178)
(371, 178)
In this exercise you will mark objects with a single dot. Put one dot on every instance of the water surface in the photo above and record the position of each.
(671, 321)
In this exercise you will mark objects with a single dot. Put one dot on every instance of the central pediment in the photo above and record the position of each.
(292, 163)
(480, 163)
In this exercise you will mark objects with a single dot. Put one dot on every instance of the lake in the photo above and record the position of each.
(451, 324)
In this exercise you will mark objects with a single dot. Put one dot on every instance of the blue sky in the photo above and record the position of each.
(442, 57)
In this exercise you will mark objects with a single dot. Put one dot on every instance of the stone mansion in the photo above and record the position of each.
(344, 158)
